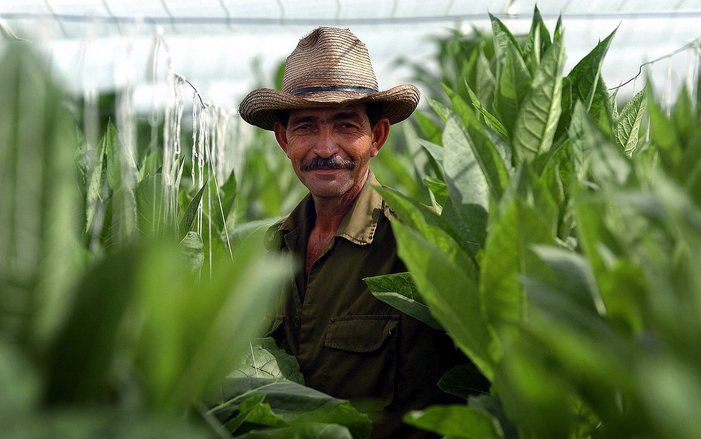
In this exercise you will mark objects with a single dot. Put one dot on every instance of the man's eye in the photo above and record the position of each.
(304, 127)
(347, 126)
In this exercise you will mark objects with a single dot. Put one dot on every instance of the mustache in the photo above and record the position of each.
(333, 162)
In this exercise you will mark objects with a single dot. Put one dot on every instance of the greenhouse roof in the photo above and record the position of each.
(105, 44)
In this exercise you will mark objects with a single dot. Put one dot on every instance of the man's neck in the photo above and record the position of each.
(331, 211)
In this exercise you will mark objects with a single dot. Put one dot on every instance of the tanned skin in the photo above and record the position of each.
(344, 134)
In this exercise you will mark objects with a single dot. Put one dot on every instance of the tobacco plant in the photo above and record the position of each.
(561, 252)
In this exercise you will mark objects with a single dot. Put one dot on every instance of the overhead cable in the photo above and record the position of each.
(262, 21)
(694, 43)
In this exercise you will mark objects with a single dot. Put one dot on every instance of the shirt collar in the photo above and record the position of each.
(359, 224)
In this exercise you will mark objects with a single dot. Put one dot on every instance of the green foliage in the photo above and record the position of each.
(627, 123)
(456, 421)
(265, 359)
(39, 224)
(450, 294)
(287, 407)
(584, 84)
(538, 117)
(309, 430)
(123, 333)
(460, 381)
(399, 291)
(583, 308)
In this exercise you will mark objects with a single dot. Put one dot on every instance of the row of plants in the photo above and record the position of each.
(562, 249)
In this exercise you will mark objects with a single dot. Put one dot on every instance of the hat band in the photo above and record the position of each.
(305, 90)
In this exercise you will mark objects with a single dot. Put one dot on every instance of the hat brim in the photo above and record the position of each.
(262, 106)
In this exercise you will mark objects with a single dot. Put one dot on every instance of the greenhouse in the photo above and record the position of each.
(350, 219)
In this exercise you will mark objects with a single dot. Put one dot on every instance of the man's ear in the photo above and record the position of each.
(380, 132)
(281, 135)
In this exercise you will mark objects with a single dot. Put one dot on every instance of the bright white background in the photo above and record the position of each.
(105, 44)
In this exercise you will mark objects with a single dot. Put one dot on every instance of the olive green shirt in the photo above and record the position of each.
(349, 344)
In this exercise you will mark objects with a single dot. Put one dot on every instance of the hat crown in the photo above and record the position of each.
(328, 57)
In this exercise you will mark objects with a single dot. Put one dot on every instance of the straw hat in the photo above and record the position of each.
(330, 66)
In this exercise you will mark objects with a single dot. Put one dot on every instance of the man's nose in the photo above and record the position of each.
(325, 144)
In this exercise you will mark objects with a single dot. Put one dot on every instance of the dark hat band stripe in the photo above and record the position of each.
(306, 90)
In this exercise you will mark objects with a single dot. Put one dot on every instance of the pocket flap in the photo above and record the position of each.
(359, 333)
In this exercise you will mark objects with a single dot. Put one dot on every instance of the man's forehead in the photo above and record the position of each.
(357, 110)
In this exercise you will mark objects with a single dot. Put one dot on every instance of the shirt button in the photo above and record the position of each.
(296, 321)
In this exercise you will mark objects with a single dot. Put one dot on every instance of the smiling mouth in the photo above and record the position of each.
(325, 170)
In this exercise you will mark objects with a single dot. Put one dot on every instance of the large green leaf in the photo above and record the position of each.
(537, 42)
(600, 109)
(402, 169)
(264, 359)
(149, 204)
(670, 390)
(582, 83)
(39, 199)
(110, 143)
(526, 218)
(439, 190)
(540, 110)
(428, 127)
(513, 77)
(485, 149)
(193, 249)
(100, 421)
(485, 82)
(21, 382)
(303, 431)
(191, 212)
(398, 290)
(252, 410)
(489, 118)
(463, 381)
(464, 228)
(440, 109)
(685, 116)
(586, 74)
(593, 154)
(83, 350)
(627, 124)
(226, 197)
(436, 151)
(451, 294)
(96, 193)
(663, 132)
(573, 277)
(293, 403)
(197, 331)
(430, 225)
(124, 224)
(467, 184)
(456, 421)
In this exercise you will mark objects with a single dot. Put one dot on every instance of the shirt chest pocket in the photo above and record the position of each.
(360, 357)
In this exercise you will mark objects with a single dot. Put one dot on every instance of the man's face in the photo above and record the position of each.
(330, 148)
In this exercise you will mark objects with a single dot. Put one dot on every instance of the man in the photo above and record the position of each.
(330, 119)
